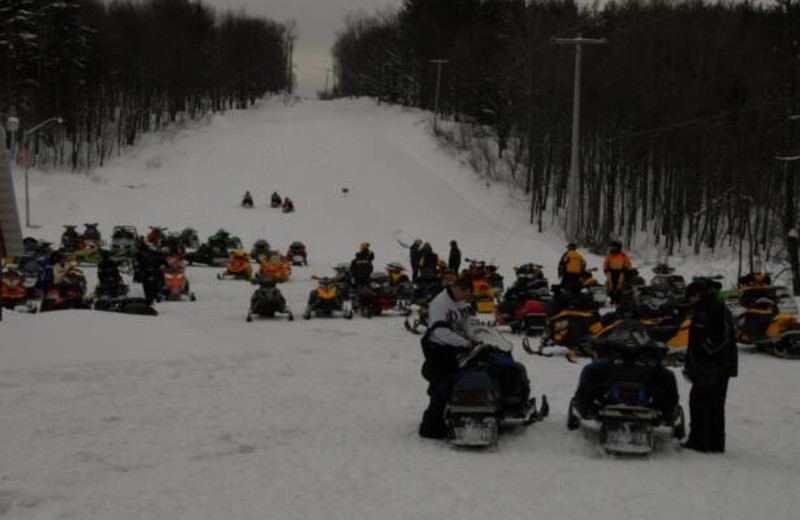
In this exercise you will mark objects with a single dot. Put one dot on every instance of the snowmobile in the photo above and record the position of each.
(89, 253)
(156, 236)
(14, 294)
(123, 241)
(379, 297)
(666, 318)
(275, 267)
(666, 279)
(525, 305)
(341, 279)
(445, 275)
(247, 201)
(238, 266)
(772, 331)
(483, 296)
(189, 239)
(267, 301)
(572, 327)
(624, 397)
(275, 201)
(478, 411)
(36, 248)
(70, 294)
(401, 283)
(325, 300)
(495, 279)
(207, 255)
(287, 206)
(91, 233)
(297, 254)
(111, 295)
(260, 250)
(70, 239)
(176, 285)
(591, 284)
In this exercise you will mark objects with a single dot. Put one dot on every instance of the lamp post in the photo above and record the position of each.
(27, 160)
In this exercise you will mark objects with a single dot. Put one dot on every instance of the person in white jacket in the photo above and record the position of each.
(442, 344)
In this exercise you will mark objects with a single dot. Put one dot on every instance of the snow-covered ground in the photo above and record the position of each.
(197, 414)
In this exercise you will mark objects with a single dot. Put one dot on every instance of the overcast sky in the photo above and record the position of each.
(317, 22)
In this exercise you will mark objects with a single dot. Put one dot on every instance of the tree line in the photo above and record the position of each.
(684, 110)
(116, 70)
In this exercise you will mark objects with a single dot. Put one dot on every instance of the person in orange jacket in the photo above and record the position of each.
(571, 267)
(617, 266)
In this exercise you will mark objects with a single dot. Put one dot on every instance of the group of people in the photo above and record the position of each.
(711, 358)
(286, 204)
(617, 267)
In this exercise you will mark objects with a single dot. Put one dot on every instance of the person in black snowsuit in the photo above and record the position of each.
(454, 261)
(414, 258)
(361, 269)
(247, 201)
(711, 360)
(152, 275)
(108, 272)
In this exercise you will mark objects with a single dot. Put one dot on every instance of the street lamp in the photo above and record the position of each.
(27, 159)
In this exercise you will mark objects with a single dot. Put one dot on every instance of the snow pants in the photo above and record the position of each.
(707, 415)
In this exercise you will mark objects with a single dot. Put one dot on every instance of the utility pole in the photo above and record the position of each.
(573, 193)
(439, 63)
(791, 155)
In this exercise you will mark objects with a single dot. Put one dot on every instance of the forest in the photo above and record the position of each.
(686, 111)
(115, 70)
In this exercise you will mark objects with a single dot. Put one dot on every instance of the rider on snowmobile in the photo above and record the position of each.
(275, 200)
(247, 200)
(361, 267)
(288, 205)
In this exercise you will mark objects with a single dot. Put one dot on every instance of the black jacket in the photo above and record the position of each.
(454, 262)
(712, 351)
(414, 254)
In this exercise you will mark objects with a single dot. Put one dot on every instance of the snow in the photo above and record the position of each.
(197, 414)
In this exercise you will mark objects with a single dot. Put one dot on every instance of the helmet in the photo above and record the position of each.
(615, 244)
(453, 243)
(572, 246)
(364, 246)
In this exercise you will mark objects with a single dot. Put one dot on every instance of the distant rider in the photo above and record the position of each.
(247, 201)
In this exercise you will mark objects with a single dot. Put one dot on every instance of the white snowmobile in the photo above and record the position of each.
(478, 411)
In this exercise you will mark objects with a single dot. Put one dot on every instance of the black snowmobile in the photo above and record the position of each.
(111, 295)
(478, 410)
(267, 301)
(628, 390)
(261, 248)
(91, 233)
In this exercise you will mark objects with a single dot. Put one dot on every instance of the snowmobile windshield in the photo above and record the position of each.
(628, 338)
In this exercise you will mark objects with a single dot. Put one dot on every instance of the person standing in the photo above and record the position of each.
(414, 258)
(454, 261)
(616, 267)
(711, 360)
(153, 275)
(571, 267)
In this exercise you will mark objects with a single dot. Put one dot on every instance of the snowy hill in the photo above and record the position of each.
(197, 414)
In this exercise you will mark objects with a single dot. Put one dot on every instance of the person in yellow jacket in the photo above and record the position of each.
(571, 267)
(616, 267)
